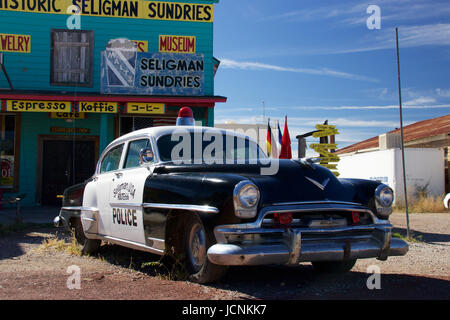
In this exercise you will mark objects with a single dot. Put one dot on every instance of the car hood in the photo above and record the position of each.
(293, 181)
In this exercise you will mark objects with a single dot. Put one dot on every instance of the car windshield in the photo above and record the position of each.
(208, 147)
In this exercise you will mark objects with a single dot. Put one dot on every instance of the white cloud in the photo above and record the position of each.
(232, 64)
(308, 123)
(408, 105)
(420, 101)
(443, 92)
(345, 122)
(409, 36)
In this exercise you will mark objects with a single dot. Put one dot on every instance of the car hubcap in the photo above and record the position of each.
(197, 247)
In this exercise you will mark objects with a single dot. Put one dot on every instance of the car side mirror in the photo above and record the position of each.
(146, 155)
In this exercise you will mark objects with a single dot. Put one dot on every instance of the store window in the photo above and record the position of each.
(130, 124)
(72, 54)
(7, 150)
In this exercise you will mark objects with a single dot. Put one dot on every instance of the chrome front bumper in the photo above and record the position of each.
(294, 245)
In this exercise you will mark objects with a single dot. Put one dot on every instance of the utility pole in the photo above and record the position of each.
(401, 133)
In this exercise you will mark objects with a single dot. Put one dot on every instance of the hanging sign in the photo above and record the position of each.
(147, 108)
(67, 115)
(38, 106)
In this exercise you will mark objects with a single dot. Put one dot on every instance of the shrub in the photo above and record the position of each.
(421, 201)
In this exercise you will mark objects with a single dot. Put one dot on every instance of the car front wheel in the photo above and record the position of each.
(196, 242)
(334, 266)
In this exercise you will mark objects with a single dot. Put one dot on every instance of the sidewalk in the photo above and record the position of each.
(29, 214)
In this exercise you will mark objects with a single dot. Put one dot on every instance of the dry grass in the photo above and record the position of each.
(168, 268)
(61, 245)
(421, 204)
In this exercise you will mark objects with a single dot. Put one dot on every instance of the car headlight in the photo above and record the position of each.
(245, 199)
(384, 197)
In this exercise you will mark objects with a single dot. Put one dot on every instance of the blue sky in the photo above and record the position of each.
(318, 60)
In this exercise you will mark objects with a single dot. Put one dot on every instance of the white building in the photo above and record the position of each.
(380, 158)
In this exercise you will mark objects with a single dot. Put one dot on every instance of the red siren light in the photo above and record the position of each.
(185, 117)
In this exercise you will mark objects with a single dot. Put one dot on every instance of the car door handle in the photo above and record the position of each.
(119, 174)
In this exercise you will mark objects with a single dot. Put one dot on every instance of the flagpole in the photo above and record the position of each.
(401, 133)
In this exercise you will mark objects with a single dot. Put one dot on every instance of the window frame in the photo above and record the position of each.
(90, 54)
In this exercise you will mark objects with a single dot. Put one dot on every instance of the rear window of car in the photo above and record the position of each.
(111, 160)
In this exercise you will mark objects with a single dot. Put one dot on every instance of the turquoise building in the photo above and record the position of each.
(76, 74)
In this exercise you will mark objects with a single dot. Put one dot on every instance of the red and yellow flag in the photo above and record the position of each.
(270, 143)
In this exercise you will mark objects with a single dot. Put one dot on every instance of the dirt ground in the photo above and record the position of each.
(30, 271)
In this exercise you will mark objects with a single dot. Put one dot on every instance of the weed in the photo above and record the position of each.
(169, 267)
(60, 245)
(421, 202)
(411, 238)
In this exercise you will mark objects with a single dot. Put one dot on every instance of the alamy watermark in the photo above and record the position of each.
(74, 21)
(374, 20)
(74, 280)
(374, 280)
(203, 146)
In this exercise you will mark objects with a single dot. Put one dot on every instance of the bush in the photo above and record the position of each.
(421, 201)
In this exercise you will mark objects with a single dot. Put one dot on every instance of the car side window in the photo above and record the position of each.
(111, 160)
(134, 148)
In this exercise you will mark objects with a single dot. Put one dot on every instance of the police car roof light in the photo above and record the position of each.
(185, 117)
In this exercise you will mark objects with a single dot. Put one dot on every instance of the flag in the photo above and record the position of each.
(279, 136)
(270, 143)
(286, 152)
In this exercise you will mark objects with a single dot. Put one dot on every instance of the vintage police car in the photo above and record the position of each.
(150, 194)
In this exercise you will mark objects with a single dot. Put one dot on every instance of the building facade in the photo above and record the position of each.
(426, 145)
(77, 74)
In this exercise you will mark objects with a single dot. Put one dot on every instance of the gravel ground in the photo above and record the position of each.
(430, 256)
(27, 271)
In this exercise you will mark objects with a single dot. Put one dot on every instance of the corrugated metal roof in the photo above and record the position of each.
(415, 131)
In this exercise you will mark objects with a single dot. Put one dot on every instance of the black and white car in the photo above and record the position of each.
(230, 206)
